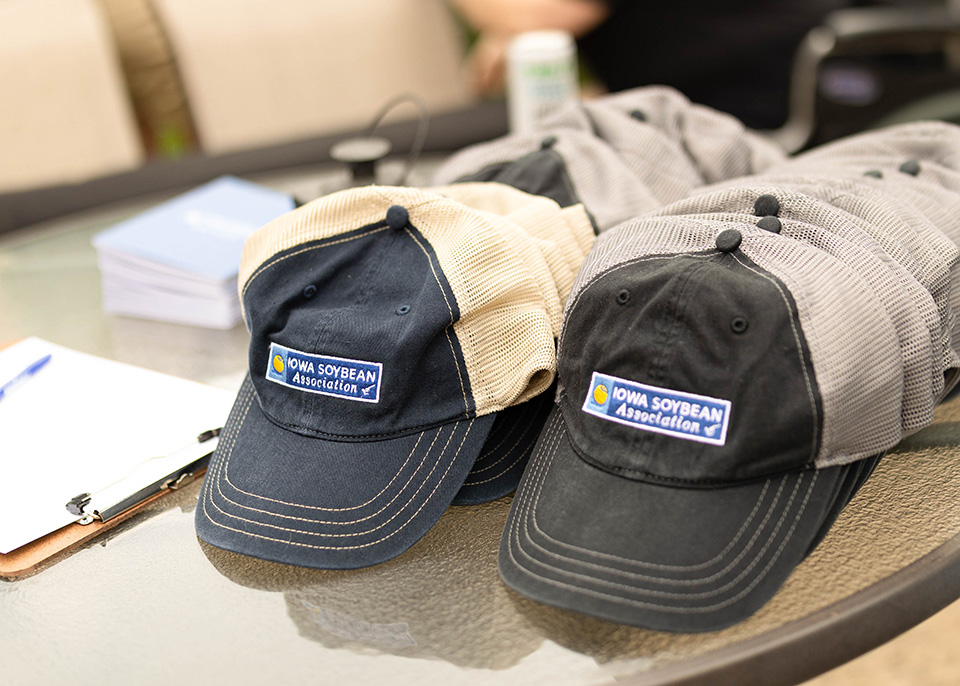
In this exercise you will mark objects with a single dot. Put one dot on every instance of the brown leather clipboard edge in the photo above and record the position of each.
(37, 555)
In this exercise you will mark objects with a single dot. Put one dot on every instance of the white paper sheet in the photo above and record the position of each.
(80, 424)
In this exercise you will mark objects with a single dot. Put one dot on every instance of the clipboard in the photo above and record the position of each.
(47, 550)
(138, 436)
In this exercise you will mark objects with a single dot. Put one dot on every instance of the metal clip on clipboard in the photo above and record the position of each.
(168, 472)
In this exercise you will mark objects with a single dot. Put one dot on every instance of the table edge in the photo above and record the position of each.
(829, 637)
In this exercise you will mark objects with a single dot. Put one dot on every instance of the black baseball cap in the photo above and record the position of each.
(708, 430)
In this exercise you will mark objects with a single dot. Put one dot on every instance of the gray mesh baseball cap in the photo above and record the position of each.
(731, 370)
(711, 405)
(889, 257)
(620, 155)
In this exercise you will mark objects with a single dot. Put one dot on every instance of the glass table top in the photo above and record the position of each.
(149, 603)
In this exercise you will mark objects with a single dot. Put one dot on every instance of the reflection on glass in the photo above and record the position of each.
(442, 599)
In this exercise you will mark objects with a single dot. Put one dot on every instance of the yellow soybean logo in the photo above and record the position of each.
(600, 394)
(278, 364)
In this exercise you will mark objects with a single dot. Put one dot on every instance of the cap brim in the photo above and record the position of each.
(656, 556)
(278, 495)
(504, 457)
(856, 475)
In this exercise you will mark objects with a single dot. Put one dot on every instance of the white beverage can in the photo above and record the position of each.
(541, 76)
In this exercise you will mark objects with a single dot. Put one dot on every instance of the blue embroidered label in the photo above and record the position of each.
(675, 413)
(336, 376)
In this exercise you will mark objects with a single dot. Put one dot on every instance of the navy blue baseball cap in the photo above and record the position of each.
(399, 357)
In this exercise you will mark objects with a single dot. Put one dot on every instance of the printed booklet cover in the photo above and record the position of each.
(179, 260)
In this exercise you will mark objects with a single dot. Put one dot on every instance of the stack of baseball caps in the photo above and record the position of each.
(403, 341)
(401, 345)
(621, 155)
(731, 368)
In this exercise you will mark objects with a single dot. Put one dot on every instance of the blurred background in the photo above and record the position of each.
(98, 87)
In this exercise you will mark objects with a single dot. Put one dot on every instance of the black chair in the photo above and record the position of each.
(872, 66)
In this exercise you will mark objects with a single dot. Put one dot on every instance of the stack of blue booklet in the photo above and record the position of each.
(178, 261)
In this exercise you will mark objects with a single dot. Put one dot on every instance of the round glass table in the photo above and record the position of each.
(148, 603)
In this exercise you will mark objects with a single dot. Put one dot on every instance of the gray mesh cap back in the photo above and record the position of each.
(886, 255)
(620, 155)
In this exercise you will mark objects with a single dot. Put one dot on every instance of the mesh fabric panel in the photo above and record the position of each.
(603, 180)
(562, 236)
(932, 142)
(621, 166)
(870, 261)
(717, 145)
(534, 256)
(851, 240)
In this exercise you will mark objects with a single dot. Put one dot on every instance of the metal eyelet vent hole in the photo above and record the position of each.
(739, 325)
(309, 291)
(403, 309)
(623, 297)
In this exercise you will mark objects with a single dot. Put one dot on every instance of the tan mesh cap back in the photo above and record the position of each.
(504, 326)
(562, 236)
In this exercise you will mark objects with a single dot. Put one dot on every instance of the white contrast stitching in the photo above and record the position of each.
(524, 504)
(345, 523)
(456, 363)
(803, 367)
(531, 518)
(264, 266)
(229, 452)
(542, 466)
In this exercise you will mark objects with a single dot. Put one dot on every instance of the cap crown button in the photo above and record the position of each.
(728, 240)
(397, 217)
(771, 224)
(766, 205)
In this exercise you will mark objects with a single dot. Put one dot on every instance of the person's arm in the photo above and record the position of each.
(498, 21)
(511, 17)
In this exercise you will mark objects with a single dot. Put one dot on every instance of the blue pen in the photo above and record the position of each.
(23, 376)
